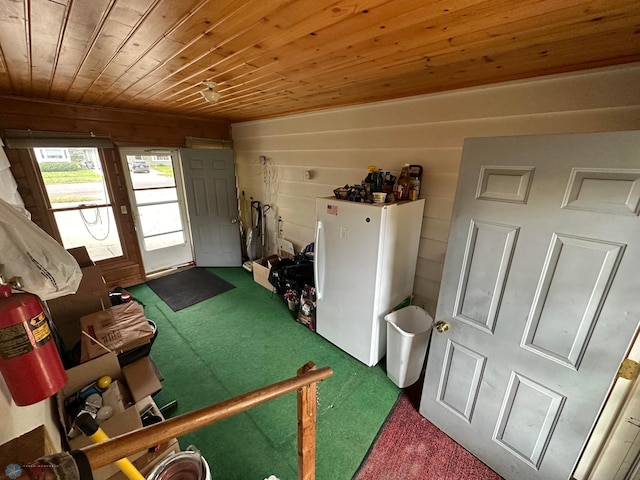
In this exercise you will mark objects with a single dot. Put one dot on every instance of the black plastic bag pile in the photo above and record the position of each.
(292, 274)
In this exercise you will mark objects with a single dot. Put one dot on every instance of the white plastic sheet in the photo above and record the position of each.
(8, 187)
(46, 268)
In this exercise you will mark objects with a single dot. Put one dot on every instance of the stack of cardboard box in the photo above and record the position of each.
(88, 318)
(104, 331)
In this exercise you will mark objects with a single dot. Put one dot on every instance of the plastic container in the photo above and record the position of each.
(379, 197)
(187, 465)
(408, 332)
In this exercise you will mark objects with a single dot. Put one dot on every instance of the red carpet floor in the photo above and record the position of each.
(409, 447)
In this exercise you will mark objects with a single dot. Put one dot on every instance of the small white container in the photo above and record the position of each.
(408, 333)
(379, 197)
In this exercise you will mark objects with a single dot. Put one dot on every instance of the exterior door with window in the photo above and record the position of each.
(157, 196)
(539, 294)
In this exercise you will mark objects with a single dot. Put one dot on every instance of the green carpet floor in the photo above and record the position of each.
(245, 339)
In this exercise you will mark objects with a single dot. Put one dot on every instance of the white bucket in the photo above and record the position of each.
(408, 333)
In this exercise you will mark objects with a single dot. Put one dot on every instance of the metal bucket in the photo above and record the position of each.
(187, 465)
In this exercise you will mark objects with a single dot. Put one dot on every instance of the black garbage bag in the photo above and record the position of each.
(291, 274)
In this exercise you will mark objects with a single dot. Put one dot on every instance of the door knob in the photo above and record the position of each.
(442, 327)
(234, 220)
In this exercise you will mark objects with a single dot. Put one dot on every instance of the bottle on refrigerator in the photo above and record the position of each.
(402, 191)
(414, 187)
(379, 180)
(369, 181)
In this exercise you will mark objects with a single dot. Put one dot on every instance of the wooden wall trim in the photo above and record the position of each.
(126, 127)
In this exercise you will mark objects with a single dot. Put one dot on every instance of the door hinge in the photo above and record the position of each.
(628, 369)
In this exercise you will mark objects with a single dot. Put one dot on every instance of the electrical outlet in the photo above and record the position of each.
(307, 174)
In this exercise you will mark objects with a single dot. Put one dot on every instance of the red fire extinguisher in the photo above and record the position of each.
(29, 359)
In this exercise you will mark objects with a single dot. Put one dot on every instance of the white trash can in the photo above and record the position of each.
(408, 332)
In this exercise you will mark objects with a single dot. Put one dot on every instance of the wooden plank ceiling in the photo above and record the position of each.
(276, 57)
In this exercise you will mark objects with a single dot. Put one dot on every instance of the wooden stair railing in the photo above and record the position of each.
(304, 382)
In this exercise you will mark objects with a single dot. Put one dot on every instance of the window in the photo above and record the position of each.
(79, 199)
(157, 202)
(52, 155)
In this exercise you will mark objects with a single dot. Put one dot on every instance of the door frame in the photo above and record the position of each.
(180, 191)
(614, 437)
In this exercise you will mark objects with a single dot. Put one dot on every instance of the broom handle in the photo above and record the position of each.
(122, 446)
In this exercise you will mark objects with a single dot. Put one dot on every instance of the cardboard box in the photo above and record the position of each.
(119, 328)
(142, 374)
(92, 296)
(26, 448)
(144, 459)
(86, 373)
(119, 423)
(307, 312)
(261, 268)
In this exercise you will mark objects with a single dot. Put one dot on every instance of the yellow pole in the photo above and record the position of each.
(87, 425)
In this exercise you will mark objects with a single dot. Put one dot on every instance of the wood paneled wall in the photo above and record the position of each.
(337, 145)
(126, 127)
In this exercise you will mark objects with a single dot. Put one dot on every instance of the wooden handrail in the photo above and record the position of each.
(125, 445)
(307, 404)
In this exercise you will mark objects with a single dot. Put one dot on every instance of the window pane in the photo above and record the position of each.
(72, 176)
(95, 228)
(162, 241)
(157, 219)
(150, 196)
(150, 171)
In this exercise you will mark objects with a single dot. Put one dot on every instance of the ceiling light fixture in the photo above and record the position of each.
(210, 95)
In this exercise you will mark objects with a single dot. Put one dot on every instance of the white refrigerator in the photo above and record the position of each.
(365, 263)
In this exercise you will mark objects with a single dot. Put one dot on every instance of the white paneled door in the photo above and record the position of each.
(210, 184)
(540, 294)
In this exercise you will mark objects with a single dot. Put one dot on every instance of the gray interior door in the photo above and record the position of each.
(540, 295)
(210, 184)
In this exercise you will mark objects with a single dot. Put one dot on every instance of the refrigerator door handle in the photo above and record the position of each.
(319, 263)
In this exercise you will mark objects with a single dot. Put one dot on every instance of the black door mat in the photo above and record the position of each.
(183, 289)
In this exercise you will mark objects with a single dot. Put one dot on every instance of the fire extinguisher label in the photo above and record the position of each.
(40, 329)
(14, 341)
(23, 337)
